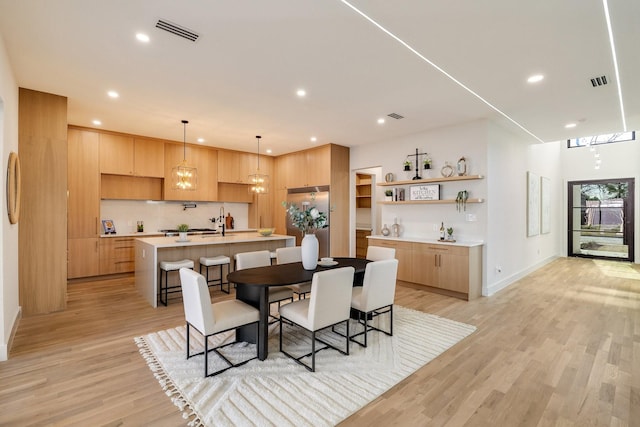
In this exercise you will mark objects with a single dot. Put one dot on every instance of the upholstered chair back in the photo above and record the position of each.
(196, 300)
(330, 297)
(379, 284)
(288, 255)
(252, 259)
(378, 253)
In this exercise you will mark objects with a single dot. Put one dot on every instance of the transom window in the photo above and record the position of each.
(607, 138)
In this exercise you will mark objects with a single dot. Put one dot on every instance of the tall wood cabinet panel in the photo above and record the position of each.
(234, 167)
(83, 203)
(305, 168)
(42, 231)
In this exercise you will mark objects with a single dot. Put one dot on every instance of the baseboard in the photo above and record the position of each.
(5, 349)
(498, 286)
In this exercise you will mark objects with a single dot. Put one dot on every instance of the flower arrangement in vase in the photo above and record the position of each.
(308, 220)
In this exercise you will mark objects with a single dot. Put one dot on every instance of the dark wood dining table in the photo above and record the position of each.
(253, 288)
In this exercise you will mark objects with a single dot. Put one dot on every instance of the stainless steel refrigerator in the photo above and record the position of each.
(307, 198)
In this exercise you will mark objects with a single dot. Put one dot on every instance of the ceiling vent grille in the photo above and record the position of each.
(599, 81)
(395, 116)
(177, 30)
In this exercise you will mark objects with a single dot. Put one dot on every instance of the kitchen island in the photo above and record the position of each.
(150, 251)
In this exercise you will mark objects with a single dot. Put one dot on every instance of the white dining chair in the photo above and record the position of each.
(277, 294)
(211, 319)
(375, 296)
(288, 255)
(378, 253)
(328, 306)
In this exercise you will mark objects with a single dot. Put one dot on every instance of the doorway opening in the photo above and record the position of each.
(601, 219)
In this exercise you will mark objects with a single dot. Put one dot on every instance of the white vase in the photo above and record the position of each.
(309, 249)
(183, 236)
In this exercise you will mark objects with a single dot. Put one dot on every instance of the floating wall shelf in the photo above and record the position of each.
(430, 180)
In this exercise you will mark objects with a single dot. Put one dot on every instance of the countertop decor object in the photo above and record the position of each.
(447, 170)
(183, 176)
(388, 177)
(266, 231)
(108, 226)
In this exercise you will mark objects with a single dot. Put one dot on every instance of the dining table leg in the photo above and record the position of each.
(258, 297)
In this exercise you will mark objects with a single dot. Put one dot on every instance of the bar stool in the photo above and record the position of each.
(168, 266)
(221, 261)
(273, 256)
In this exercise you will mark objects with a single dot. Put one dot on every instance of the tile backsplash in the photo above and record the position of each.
(167, 215)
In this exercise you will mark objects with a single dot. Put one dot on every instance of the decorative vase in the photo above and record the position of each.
(310, 248)
(183, 236)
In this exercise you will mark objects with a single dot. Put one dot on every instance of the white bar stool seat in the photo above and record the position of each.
(220, 260)
(168, 266)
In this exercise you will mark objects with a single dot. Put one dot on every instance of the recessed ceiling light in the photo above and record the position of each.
(97, 122)
(113, 94)
(269, 151)
(301, 93)
(200, 139)
(380, 121)
(535, 78)
(314, 139)
(570, 125)
(142, 37)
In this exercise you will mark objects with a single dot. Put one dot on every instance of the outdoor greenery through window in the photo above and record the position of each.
(608, 138)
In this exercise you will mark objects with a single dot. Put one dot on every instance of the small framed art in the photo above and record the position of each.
(108, 226)
(425, 192)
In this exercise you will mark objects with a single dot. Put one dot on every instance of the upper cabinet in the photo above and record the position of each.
(83, 184)
(205, 160)
(307, 168)
(125, 155)
(234, 167)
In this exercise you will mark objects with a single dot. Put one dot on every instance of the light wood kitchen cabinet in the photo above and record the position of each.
(116, 154)
(361, 243)
(148, 158)
(234, 167)
(83, 203)
(452, 270)
(205, 160)
(404, 256)
(117, 255)
(126, 155)
(83, 184)
(83, 258)
(304, 168)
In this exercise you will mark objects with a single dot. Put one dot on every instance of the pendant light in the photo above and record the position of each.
(258, 182)
(184, 177)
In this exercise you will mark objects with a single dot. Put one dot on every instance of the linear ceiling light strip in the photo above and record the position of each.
(453, 79)
(605, 4)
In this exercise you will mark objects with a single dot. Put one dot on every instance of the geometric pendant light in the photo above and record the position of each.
(184, 177)
(258, 182)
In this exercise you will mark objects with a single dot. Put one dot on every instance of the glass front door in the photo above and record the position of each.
(601, 219)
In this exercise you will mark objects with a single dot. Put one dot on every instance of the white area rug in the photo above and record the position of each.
(280, 392)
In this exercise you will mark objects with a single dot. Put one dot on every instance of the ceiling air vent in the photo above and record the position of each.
(395, 116)
(599, 81)
(177, 30)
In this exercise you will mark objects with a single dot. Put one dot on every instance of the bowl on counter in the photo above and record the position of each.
(265, 232)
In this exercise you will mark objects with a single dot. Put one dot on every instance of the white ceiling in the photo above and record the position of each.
(239, 79)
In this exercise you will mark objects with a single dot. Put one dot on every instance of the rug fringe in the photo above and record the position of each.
(170, 389)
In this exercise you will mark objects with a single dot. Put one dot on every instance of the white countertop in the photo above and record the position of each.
(159, 233)
(465, 243)
(209, 239)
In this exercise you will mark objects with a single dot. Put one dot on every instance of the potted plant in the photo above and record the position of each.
(182, 231)
(388, 195)
(427, 162)
(407, 165)
(450, 233)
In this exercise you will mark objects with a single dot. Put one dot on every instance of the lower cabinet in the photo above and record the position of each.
(83, 257)
(453, 270)
(361, 243)
(117, 255)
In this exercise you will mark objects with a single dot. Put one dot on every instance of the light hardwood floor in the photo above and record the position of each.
(560, 347)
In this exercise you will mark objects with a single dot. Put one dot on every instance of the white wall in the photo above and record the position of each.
(619, 160)
(510, 254)
(9, 308)
(167, 215)
(503, 157)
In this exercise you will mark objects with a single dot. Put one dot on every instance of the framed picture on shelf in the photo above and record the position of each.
(424, 192)
(108, 226)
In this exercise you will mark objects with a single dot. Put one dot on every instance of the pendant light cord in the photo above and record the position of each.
(184, 140)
